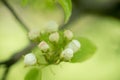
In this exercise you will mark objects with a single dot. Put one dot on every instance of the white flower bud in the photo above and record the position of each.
(74, 45)
(43, 46)
(51, 26)
(67, 54)
(30, 59)
(33, 34)
(54, 37)
(68, 34)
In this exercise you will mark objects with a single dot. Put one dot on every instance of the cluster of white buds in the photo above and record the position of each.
(55, 49)
(43, 46)
(30, 59)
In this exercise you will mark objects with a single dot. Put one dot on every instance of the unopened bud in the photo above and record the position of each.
(74, 45)
(54, 37)
(67, 54)
(51, 26)
(33, 34)
(43, 46)
(68, 34)
(30, 59)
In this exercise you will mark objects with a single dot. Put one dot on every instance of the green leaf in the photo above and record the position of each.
(67, 7)
(33, 74)
(86, 51)
(39, 55)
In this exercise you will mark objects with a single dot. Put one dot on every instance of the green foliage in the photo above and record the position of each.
(67, 6)
(86, 51)
(50, 52)
(54, 54)
(33, 74)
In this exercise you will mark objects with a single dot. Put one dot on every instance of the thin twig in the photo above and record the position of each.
(10, 62)
(15, 57)
(5, 73)
(14, 14)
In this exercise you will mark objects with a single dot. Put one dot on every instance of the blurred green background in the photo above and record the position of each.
(104, 32)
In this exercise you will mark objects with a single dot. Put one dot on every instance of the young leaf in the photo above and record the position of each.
(86, 51)
(39, 56)
(67, 7)
(33, 74)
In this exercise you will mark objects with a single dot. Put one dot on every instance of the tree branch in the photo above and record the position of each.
(15, 57)
(5, 73)
(14, 14)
